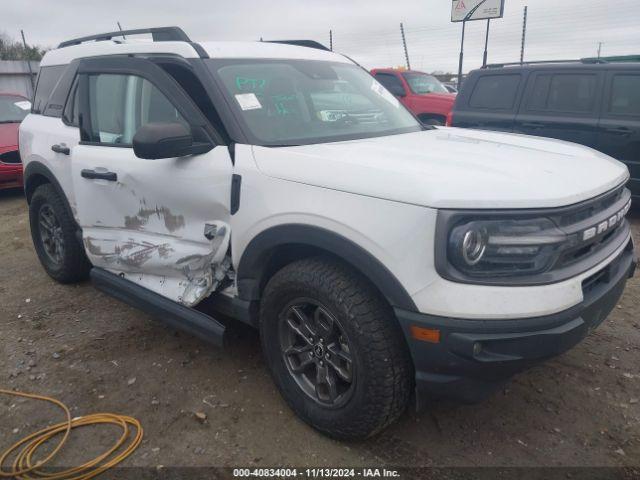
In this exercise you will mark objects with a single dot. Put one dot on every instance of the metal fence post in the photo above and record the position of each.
(464, 22)
(524, 34)
(404, 43)
(24, 43)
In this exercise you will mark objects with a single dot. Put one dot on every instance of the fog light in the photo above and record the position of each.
(477, 348)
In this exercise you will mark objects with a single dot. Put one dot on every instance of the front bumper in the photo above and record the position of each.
(472, 358)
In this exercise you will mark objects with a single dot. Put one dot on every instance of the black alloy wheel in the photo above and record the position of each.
(316, 352)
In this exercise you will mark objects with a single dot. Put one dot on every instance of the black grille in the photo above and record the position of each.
(577, 219)
(10, 157)
(591, 208)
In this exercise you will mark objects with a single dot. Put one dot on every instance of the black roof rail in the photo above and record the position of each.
(542, 62)
(301, 43)
(159, 34)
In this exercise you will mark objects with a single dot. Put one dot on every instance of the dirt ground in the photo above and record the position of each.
(97, 354)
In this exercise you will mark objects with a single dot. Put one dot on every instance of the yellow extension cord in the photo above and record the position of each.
(24, 450)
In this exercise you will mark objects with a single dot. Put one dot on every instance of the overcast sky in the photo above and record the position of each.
(367, 30)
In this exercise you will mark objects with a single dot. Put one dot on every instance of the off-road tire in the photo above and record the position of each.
(73, 265)
(384, 372)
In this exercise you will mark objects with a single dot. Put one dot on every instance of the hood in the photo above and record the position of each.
(451, 168)
(9, 136)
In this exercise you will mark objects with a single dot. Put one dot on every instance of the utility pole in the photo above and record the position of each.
(464, 22)
(599, 49)
(524, 34)
(404, 43)
(331, 40)
(123, 37)
(26, 49)
(486, 44)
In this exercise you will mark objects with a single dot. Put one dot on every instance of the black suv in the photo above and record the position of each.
(595, 104)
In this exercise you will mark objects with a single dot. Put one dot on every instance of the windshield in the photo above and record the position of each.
(421, 83)
(300, 102)
(13, 109)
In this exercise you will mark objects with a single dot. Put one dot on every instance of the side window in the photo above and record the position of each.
(47, 80)
(572, 92)
(495, 92)
(120, 104)
(391, 83)
(625, 95)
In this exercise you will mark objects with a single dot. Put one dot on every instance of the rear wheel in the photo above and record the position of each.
(334, 349)
(53, 233)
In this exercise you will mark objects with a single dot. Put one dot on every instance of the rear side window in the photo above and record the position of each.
(625, 95)
(47, 80)
(495, 92)
(572, 93)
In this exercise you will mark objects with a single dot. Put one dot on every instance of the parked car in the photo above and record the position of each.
(594, 104)
(13, 109)
(423, 94)
(374, 254)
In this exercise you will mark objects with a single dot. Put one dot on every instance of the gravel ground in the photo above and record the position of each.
(97, 354)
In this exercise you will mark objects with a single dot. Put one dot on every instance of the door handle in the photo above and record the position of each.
(61, 149)
(92, 174)
(532, 124)
(618, 130)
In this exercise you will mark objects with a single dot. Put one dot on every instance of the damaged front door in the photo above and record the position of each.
(164, 223)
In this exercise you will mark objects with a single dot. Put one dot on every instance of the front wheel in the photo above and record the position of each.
(334, 349)
(53, 233)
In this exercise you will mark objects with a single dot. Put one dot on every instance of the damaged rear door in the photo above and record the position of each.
(163, 223)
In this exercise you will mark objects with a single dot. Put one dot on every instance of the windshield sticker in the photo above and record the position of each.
(248, 101)
(331, 115)
(24, 105)
(384, 93)
(250, 84)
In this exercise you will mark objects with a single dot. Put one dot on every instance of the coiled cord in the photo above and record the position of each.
(24, 450)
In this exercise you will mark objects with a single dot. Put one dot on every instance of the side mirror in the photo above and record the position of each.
(166, 140)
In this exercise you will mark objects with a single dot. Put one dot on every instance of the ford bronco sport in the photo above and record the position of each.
(280, 184)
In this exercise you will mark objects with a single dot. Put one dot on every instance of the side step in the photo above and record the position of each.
(167, 311)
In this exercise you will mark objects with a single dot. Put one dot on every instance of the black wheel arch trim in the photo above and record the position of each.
(255, 260)
(37, 169)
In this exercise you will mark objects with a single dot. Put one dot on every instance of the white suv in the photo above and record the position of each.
(279, 184)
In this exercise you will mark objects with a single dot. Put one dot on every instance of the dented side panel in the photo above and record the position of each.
(150, 225)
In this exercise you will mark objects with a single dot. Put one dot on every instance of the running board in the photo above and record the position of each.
(167, 311)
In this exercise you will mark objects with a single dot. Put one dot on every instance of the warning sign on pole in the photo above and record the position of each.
(465, 10)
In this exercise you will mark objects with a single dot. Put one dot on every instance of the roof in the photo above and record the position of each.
(568, 65)
(63, 56)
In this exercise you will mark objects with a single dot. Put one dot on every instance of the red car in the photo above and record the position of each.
(13, 109)
(421, 93)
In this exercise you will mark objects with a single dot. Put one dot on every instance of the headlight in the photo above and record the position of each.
(494, 248)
